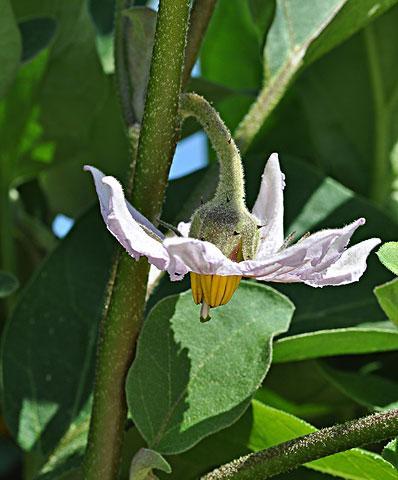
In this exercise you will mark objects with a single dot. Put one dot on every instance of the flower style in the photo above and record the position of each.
(317, 260)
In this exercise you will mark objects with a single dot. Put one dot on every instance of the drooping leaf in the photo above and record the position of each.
(144, 461)
(272, 426)
(49, 342)
(381, 337)
(370, 390)
(387, 296)
(36, 34)
(186, 359)
(388, 255)
(8, 284)
(10, 46)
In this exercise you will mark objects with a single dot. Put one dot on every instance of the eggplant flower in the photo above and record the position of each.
(317, 260)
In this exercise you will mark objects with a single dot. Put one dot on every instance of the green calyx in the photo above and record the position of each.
(229, 226)
(224, 220)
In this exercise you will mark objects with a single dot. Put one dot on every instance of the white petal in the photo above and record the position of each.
(269, 208)
(190, 254)
(350, 266)
(304, 259)
(121, 223)
(102, 193)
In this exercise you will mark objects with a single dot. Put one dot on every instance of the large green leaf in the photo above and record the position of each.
(387, 295)
(10, 46)
(296, 27)
(329, 123)
(271, 426)
(178, 388)
(370, 390)
(49, 342)
(343, 341)
(390, 452)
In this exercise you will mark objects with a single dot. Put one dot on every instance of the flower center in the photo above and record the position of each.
(215, 290)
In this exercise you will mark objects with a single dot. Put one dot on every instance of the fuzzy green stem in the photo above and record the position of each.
(127, 287)
(231, 181)
(201, 13)
(160, 125)
(290, 455)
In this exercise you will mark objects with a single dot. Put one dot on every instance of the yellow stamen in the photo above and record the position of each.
(196, 288)
(214, 290)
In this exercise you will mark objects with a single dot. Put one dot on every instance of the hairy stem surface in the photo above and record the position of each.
(127, 288)
(290, 455)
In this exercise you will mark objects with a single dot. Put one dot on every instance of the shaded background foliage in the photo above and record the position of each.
(332, 118)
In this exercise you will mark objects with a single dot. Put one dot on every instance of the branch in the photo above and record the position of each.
(290, 455)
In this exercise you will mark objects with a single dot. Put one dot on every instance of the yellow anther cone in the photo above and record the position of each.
(215, 290)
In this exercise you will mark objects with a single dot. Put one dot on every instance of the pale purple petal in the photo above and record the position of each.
(190, 254)
(269, 208)
(120, 222)
(349, 268)
(307, 257)
(137, 216)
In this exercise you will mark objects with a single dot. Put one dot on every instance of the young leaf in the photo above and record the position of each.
(341, 341)
(387, 296)
(388, 255)
(36, 34)
(273, 426)
(8, 284)
(190, 379)
(144, 461)
(10, 46)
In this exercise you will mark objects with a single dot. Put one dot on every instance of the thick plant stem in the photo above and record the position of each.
(160, 127)
(127, 288)
(201, 13)
(290, 455)
(231, 170)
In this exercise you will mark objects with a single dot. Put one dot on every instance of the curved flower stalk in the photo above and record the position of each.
(317, 260)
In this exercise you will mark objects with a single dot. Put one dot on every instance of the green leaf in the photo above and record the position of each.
(388, 255)
(342, 341)
(273, 426)
(53, 330)
(36, 34)
(10, 46)
(178, 389)
(8, 284)
(298, 35)
(144, 461)
(390, 452)
(139, 43)
(387, 296)
(370, 390)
